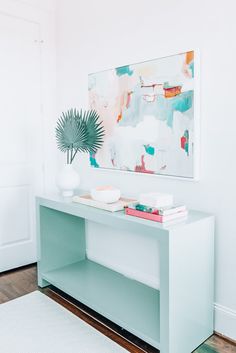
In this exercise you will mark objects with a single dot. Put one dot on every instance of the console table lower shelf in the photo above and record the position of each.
(175, 318)
(130, 304)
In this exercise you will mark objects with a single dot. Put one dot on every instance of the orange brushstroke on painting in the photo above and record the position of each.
(119, 118)
(172, 91)
(189, 57)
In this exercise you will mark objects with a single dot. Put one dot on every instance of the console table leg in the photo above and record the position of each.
(42, 283)
(164, 296)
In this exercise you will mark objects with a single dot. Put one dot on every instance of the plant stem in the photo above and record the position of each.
(72, 158)
(71, 152)
(67, 156)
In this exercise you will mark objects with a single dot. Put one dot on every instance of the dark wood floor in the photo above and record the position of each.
(22, 281)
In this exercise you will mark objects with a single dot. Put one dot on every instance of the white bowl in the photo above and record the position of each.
(106, 196)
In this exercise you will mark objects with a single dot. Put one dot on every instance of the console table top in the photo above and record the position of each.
(66, 205)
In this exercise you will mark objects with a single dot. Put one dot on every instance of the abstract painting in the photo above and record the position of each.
(148, 114)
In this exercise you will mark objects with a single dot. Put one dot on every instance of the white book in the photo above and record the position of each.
(156, 199)
(165, 211)
(112, 207)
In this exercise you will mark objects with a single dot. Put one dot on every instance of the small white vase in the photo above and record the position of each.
(68, 180)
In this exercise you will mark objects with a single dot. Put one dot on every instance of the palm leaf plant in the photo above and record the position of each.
(78, 131)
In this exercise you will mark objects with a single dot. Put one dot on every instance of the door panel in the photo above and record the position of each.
(20, 139)
(14, 215)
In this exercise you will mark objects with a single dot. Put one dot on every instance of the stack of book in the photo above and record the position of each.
(158, 211)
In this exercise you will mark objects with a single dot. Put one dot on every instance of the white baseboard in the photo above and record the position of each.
(225, 321)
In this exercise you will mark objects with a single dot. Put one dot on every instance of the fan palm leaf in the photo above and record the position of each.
(95, 131)
(70, 132)
(79, 132)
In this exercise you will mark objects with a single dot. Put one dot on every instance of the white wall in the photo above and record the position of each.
(96, 35)
(45, 5)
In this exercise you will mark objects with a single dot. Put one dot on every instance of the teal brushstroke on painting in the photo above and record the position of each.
(191, 67)
(186, 146)
(186, 134)
(167, 106)
(162, 108)
(124, 70)
(93, 161)
(182, 102)
(149, 149)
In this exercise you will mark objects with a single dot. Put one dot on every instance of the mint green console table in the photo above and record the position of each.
(177, 317)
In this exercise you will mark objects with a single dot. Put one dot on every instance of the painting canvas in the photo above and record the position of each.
(148, 114)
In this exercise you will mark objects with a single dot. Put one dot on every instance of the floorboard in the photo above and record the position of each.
(19, 282)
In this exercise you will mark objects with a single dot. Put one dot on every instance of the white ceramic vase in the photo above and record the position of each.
(68, 180)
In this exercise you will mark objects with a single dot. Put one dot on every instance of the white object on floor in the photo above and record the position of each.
(156, 199)
(35, 323)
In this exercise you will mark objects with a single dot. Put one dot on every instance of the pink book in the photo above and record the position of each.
(155, 217)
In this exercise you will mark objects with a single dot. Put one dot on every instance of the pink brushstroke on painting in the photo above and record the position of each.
(141, 168)
(129, 94)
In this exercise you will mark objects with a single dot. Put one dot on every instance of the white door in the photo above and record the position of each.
(20, 135)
